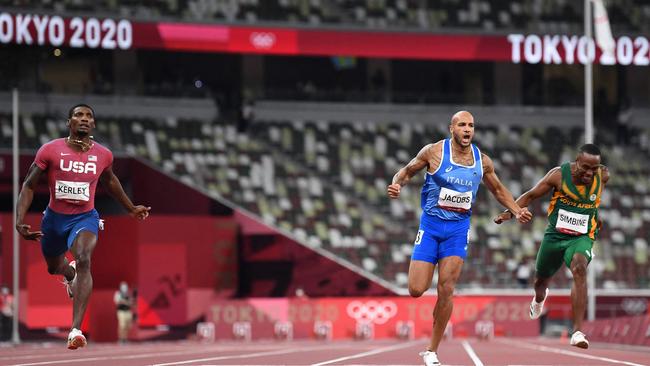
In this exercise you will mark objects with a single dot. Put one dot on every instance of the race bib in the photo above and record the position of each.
(72, 191)
(455, 201)
(571, 223)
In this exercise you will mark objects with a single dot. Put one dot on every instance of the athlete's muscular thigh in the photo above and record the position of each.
(449, 269)
(420, 277)
(83, 247)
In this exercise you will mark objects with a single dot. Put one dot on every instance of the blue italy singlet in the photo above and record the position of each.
(450, 191)
(447, 198)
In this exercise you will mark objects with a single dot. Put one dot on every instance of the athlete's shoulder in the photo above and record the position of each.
(52, 146)
(102, 149)
(434, 148)
(554, 176)
(438, 145)
(56, 143)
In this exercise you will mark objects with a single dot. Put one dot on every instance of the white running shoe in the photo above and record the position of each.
(579, 339)
(76, 339)
(68, 284)
(430, 358)
(537, 307)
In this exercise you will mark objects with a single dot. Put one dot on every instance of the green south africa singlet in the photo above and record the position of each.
(573, 209)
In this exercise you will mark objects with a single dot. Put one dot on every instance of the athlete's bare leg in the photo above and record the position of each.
(449, 269)
(82, 250)
(541, 284)
(420, 276)
(579, 289)
(60, 265)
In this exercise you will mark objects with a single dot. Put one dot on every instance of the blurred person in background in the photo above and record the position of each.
(523, 272)
(6, 313)
(573, 225)
(74, 165)
(454, 170)
(124, 303)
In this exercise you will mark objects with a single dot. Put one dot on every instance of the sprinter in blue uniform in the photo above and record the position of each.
(455, 168)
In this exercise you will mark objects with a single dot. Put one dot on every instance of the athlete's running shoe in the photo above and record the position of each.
(537, 307)
(579, 339)
(68, 284)
(76, 339)
(430, 358)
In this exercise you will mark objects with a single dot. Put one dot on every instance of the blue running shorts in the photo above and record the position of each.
(60, 230)
(438, 238)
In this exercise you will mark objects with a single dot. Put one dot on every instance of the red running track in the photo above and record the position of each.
(497, 352)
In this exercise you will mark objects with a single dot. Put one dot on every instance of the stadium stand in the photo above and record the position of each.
(324, 182)
(528, 15)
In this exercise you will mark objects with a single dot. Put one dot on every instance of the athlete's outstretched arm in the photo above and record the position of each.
(545, 185)
(114, 187)
(500, 192)
(25, 200)
(419, 162)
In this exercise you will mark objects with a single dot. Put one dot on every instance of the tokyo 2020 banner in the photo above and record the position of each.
(509, 315)
(123, 34)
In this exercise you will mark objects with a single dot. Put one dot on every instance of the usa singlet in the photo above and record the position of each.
(72, 178)
(72, 175)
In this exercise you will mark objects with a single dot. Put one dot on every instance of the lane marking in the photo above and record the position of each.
(369, 353)
(567, 353)
(126, 357)
(249, 355)
(471, 353)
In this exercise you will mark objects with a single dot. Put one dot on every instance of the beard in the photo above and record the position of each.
(458, 139)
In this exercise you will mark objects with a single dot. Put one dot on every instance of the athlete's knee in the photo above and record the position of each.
(53, 269)
(579, 269)
(541, 281)
(446, 289)
(416, 291)
(83, 261)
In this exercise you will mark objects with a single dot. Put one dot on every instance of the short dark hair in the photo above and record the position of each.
(71, 111)
(590, 149)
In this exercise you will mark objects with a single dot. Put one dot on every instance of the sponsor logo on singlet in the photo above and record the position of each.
(455, 201)
(78, 167)
(571, 223)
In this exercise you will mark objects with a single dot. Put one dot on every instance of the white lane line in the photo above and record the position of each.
(248, 355)
(369, 353)
(127, 352)
(88, 353)
(472, 354)
(127, 357)
(567, 353)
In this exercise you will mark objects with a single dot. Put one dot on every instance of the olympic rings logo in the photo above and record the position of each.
(262, 40)
(372, 311)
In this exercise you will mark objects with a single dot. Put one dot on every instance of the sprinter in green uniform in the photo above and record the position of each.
(573, 225)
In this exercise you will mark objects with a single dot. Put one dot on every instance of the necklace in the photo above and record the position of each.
(85, 146)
